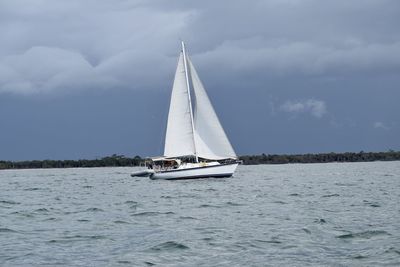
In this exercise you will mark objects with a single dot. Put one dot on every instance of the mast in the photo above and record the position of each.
(189, 99)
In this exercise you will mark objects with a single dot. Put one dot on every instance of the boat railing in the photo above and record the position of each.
(163, 168)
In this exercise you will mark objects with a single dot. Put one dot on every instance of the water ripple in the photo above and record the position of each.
(10, 202)
(151, 213)
(77, 238)
(169, 246)
(331, 195)
(7, 230)
(121, 222)
(275, 215)
(94, 210)
(364, 235)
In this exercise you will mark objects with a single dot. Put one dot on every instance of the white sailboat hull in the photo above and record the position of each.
(216, 171)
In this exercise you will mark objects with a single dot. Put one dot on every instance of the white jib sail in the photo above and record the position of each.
(211, 140)
(179, 139)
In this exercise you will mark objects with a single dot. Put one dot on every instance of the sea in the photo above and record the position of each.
(331, 214)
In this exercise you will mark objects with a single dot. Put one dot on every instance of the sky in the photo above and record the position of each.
(87, 79)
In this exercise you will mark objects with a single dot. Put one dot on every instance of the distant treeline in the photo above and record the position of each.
(122, 161)
(322, 157)
(111, 161)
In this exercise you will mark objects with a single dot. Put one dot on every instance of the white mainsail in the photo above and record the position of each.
(193, 133)
(179, 140)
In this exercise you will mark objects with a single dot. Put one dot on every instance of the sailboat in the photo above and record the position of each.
(196, 145)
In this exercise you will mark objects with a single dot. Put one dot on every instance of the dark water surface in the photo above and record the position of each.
(345, 214)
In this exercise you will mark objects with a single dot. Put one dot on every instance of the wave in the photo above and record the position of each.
(94, 209)
(24, 214)
(359, 257)
(132, 204)
(187, 218)
(371, 204)
(10, 202)
(151, 213)
(121, 222)
(41, 210)
(272, 241)
(331, 195)
(364, 235)
(393, 250)
(229, 203)
(86, 237)
(32, 189)
(208, 206)
(124, 262)
(280, 202)
(169, 246)
(51, 219)
(320, 221)
(345, 184)
(7, 230)
(75, 238)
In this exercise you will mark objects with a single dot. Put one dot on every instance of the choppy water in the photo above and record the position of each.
(345, 214)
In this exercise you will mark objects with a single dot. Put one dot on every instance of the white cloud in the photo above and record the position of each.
(380, 125)
(316, 108)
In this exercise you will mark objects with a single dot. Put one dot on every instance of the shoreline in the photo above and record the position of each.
(263, 159)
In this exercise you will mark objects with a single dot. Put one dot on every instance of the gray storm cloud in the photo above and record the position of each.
(58, 45)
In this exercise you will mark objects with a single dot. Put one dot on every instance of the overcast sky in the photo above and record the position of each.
(86, 79)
